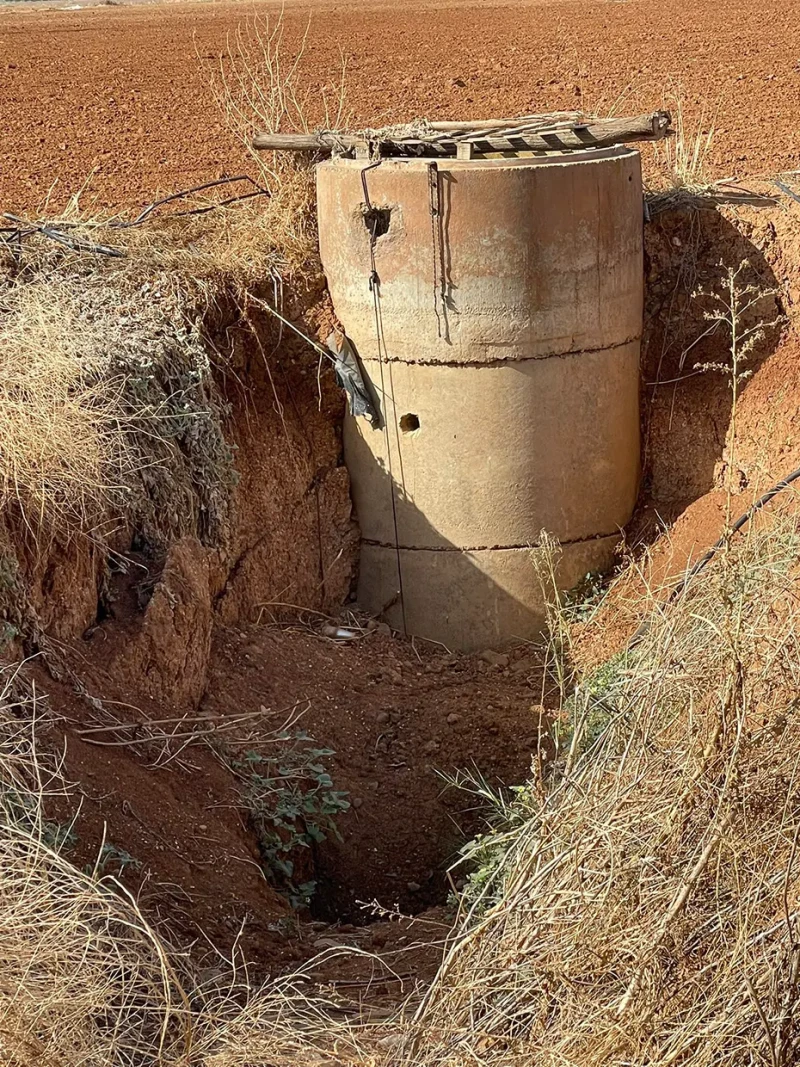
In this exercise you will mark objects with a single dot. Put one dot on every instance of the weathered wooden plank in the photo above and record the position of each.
(596, 134)
(475, 126)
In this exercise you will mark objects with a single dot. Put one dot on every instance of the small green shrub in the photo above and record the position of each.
(22, 810)
(581, 602)
(293, 805)
(112, 860)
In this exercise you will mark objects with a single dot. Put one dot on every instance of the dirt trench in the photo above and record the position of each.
(140, 646)
(173, 670)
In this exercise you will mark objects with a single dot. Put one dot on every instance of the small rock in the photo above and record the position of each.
(413, 887)
(395, 677)
(326, 942)
(453, 718)
(203, 826)
(384, 629)
(431, 746)
(526, 665)
(374, 786)
(494, 659)
(357, 802)
(382, 716)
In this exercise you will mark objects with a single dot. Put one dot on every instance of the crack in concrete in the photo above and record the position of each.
(484, 548)
(499, 361)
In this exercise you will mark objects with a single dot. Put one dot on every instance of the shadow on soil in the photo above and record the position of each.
(685, 411)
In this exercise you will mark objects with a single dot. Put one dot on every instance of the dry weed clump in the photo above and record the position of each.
(640, 906)
(108, 398)
(681, 162)
(259, 85)
(60, 439)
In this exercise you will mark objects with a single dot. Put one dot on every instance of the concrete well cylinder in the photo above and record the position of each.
(496, 309)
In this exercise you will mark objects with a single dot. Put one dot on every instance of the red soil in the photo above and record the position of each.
(121, 94)
(399, 717)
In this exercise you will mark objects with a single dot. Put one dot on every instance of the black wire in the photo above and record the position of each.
(14, 235)
(740, 522)
(146, 212)
(705, 559)
(375, 289)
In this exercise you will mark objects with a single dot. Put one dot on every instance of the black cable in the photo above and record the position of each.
(705, 559)
(55, 232)
(371, 219)
(740, 522)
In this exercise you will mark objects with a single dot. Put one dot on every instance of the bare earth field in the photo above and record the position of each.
(122, 93)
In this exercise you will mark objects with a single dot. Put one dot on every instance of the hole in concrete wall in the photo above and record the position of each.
(409, 423)
(377, 220)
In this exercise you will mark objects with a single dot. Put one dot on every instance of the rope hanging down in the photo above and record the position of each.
(372, 218)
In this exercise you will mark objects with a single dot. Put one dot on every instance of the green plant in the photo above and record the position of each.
(484, 855)
(112, 860)
(293, 805)
(23, 811)
(582, 601)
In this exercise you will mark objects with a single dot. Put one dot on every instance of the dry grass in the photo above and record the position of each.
(640, 906)
(63, 440)
(87, 982)
(681, 161)
(106, 364)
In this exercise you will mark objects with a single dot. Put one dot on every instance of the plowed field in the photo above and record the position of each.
(119, 96)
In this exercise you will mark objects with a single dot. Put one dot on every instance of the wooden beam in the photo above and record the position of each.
(600, 133)
(474, 126)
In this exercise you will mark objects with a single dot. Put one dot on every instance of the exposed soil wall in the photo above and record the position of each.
(697, 464)
(121, 620)
(687, 410)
